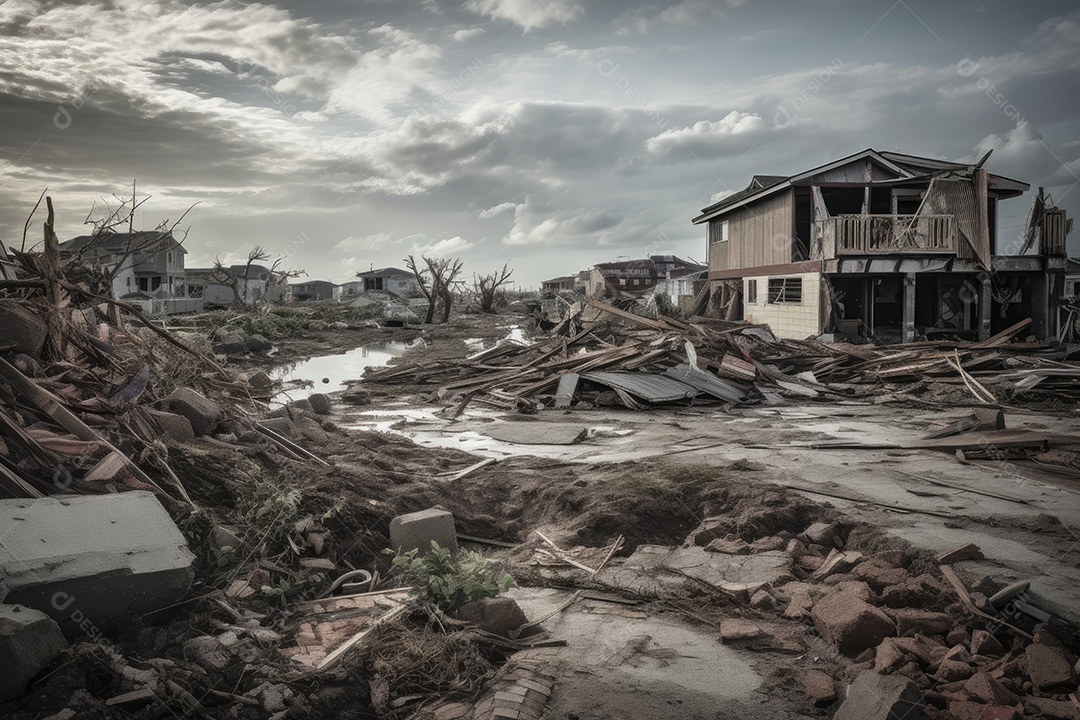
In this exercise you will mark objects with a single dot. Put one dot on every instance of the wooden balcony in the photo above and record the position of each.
(885, 234)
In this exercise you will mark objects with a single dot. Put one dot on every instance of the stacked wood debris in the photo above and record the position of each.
(89, 386)
(613, 357)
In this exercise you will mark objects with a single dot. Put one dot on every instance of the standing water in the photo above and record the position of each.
(307, 377)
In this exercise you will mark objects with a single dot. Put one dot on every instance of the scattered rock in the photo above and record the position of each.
(258, 379)
(768, 544)
(851, 623)
(29, 641)
(172, 425)
(838, 561)
(231, 344)
(257, 343)
(280, 425)
(984, 643)
(356, 394)
(896, 558)
(1047, 667)
(203, 414)
(818, 686)
(729, 547)
(1056, 709)
(881, 697)
(911, 620)
(320, 404)
(889, 656)
(497, 615)
(990, 691)
(952, 670)
(709, 529)
(737, 630)
(880, 575)
(819, 533)
(222, 537)
(763, 601)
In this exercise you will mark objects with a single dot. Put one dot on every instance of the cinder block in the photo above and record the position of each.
(416, 530)
(29, 641)
(92, 562)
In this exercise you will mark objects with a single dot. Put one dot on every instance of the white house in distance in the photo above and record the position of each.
(260, 285)
(151, 263)
(389, 279)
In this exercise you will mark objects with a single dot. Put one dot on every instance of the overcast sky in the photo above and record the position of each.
(551, 133)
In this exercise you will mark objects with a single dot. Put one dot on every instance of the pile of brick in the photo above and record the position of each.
(900, 640)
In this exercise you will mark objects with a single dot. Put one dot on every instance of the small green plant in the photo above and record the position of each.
(440, 578)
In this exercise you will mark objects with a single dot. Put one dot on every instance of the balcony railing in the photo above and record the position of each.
(885, 234)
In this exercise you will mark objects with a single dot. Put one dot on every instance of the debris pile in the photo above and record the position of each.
(618, 358)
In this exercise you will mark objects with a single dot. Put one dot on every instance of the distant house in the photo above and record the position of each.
(389, 279)
(146, 263)
(350, 289)
(312, 290)
(680, 280)
(218, 287)
(578, 283)
(611, 280)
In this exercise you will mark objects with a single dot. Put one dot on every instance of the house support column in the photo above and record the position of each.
(908, 330)
(1041, 286)
(986, 305)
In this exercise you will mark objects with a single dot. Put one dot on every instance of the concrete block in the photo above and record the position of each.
(417, 530)
(29, 641)
(202, 413)
(881, 697)
(92, 562)
(22, 328)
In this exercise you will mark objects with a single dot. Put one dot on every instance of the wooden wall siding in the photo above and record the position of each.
(759, 234)
(858, 171)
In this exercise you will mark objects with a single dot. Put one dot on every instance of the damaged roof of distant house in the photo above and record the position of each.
(119, 241)
(625, 265)
(907, 167)
(382, 272)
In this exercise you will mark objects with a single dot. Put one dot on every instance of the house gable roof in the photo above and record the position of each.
(902, 165)
(120, 242)
(385, 272)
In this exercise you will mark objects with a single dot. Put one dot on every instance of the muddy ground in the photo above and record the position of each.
(633, 650)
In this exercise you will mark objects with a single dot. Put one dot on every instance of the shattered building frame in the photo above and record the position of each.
(887, 246)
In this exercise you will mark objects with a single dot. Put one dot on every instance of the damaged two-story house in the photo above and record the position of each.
(888, 246)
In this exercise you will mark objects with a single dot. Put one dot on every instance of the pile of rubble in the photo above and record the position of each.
(891, 633)
(618, 358)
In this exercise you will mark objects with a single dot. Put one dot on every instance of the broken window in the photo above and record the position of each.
(751, 292)
(785, 290)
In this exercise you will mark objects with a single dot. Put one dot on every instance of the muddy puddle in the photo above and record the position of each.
(330, 373)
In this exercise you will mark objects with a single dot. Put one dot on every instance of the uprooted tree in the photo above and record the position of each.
(437, 280)
(486, 286)
(245, 296)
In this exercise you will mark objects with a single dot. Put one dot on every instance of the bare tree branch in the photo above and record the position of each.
(486, 286)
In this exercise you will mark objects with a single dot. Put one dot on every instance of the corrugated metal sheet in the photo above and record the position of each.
(707, 383)
(651, 388)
